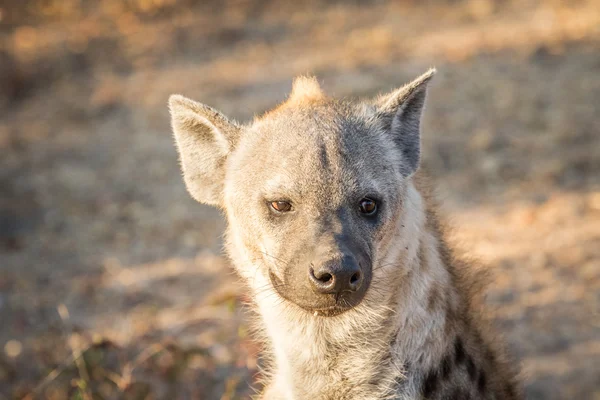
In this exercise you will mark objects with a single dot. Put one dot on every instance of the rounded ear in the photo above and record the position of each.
(401, 111)
(204, 139)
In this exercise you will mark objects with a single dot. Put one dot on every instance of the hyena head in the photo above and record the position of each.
(314, 190)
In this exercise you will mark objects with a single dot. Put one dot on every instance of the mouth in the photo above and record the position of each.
(317, 305)
(330, 311)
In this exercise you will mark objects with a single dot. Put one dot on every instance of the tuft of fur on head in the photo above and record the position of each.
(305, 89)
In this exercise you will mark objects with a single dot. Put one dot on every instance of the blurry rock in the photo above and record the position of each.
(221, 354)
(491, 165)
(593, 201)
(11, 80)
(483, 139)
(13, 348)
(544, 54)
(7, 371)
(137, 391)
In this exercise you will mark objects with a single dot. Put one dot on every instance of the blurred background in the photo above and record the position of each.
(112, 280)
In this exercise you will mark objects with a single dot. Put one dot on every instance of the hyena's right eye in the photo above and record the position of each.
(281, 206)
(367, 206)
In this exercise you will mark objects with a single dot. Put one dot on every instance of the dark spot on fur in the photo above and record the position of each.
(448, 325)
(446, 366)
(478, 339)
(471, 369)
(481, 382)
(459, 351)
(458, 394)
(430, 384)
(324, 158)
(400, 384)
(510, 391)
(434, 297)
(422, 256)
(491, 356)
(394, 340)
(386, 358)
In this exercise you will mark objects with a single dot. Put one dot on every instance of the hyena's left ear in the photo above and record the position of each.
(401, 111)
(204, 137)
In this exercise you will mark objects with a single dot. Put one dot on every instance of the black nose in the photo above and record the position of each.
(336, 276)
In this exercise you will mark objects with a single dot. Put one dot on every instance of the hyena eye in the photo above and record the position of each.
(368, 206)
(281, 206)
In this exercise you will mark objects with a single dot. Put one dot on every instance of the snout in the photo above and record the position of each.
(328, 284)
(336, 276)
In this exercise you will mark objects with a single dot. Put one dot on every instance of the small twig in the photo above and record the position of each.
(55, 373)
(76, 352)
(124, 380)
(139, 359)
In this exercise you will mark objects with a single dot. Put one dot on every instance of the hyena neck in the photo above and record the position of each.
(379, 351)
(437, 334)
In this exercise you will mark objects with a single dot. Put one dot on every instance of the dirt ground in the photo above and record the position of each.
(112, 280)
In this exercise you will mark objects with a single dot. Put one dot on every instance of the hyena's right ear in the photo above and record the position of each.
(204, 138)
(401, 111)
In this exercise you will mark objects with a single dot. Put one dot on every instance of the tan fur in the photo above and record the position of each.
(305, 88)
(415, 331)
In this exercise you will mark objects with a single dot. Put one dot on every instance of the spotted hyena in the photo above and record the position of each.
(331, 227)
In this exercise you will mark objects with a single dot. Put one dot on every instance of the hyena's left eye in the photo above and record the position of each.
(281, 206)
(368, 206)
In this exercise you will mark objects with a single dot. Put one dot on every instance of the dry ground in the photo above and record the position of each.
(112, 283)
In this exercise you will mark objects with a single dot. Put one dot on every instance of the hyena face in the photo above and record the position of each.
(308, 193)
(311, 190)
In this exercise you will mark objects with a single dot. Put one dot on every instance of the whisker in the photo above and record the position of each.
(273, 257)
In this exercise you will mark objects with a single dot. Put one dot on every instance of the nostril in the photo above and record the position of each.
(355, 278)
(325, 278)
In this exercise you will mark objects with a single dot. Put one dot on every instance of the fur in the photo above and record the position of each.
(416, 333)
